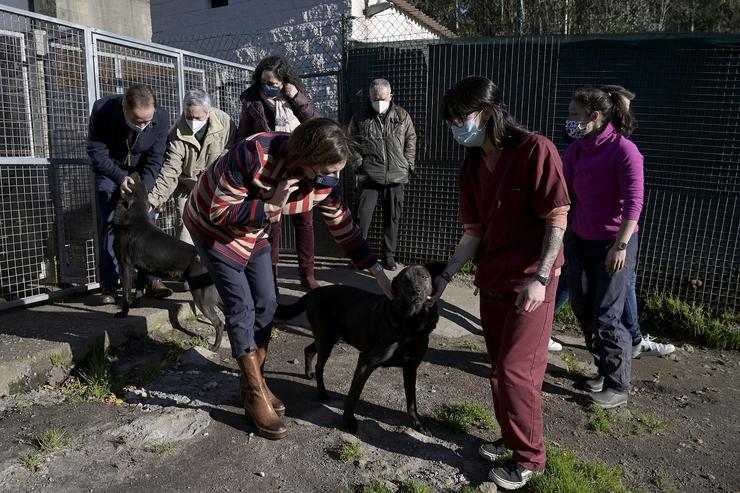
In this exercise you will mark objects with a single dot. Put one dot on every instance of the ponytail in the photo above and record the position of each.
(613, 102)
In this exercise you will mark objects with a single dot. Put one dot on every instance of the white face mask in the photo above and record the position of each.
(135, 127)
(196, 125)
(468, 134)
(381, 106)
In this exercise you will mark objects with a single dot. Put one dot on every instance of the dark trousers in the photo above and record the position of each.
(598, 300)
(304, 242)
(630, 318)
(517, 346)
(107, 261)
(248, 296)
(391, 197)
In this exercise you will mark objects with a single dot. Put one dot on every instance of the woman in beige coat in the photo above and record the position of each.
(200, 136)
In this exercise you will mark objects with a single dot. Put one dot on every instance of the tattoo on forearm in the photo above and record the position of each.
(550, 248)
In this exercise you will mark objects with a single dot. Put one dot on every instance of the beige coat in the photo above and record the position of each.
(186, 158)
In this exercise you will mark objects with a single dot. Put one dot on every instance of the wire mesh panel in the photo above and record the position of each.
(223, 82)
(26, 232)
(43, 92)
(74, 205)
(121, 66)
(687, 99)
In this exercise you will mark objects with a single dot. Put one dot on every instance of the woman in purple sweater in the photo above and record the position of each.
(604, 173)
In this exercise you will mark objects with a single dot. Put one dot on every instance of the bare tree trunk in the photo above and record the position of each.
(565, 17)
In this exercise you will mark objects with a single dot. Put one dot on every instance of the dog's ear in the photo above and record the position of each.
(135, 176)
(394, 287)
(435, 269)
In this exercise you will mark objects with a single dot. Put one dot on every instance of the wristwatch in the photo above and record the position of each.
(545, 281)
(621, 245)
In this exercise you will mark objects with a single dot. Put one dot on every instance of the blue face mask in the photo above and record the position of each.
(271, 91)
(325, 181)
(468, 134)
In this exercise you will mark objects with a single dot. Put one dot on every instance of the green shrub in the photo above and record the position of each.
(666, 314)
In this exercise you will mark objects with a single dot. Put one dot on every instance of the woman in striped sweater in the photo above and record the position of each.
(229, 214)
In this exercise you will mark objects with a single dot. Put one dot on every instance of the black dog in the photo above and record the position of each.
(140, 244)
(388, 333)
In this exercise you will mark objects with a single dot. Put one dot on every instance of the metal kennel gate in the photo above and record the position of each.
(51, 72)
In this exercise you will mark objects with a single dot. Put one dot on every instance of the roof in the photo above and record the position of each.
(411, 11)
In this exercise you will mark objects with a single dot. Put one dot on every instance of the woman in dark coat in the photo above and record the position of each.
(276, 102)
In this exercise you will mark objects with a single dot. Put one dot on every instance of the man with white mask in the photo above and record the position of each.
(386, 141)
(198, 139)
(127, 134)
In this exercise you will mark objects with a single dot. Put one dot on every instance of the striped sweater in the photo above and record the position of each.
(228, 213)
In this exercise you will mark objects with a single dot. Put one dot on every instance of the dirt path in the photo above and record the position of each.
(679, 433)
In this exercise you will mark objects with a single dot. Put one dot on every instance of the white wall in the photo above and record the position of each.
(388, 25)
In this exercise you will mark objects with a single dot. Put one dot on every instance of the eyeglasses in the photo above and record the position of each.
(467, 118)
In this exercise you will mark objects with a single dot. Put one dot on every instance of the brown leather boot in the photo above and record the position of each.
(308, 280)
(276, 403)
(257, 407)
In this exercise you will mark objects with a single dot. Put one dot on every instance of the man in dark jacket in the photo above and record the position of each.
(127, 133)
(386, 141)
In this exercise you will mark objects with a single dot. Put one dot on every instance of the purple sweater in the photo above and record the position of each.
(604, 175)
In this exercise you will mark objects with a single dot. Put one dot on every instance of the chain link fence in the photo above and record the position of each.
(687, 97)
(50, 74)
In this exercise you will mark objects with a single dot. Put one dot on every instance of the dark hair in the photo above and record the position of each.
(475, 93)
(282, 69)
(139, 95)
(613, 102)
(315, 142)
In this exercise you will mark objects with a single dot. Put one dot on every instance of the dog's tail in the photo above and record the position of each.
(286, 312)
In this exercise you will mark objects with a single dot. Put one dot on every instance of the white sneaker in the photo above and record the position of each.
(554, 346)
(648, 347)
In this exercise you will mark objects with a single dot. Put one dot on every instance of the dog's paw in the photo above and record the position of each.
(311, 375)
(422, 428)
(213, 348)
(351, 424)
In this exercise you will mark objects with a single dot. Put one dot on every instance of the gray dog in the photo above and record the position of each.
(140, 244)
(388, 333)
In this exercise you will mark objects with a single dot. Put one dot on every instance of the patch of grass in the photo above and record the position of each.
(665, 314)
(180, 343)
(472, 345)
(574, 366)
(654, 425)
(94, 381)
(350, 452)
(566, 316)
(566, 474)
(31, 460)
(600, 420)
(462, 416)
(413, 486)
(468, 489)
(51, 440)
(164, 448)
(61, 359)
(199, 341)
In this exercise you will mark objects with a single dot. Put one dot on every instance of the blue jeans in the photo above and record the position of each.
(248, 296)
(598, 298)
(629, 315)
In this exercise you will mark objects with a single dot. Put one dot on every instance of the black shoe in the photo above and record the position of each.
(389, 263)
(493, 451)
(511, 475)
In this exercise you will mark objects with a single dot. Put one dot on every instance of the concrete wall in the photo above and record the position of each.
(127, 17)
